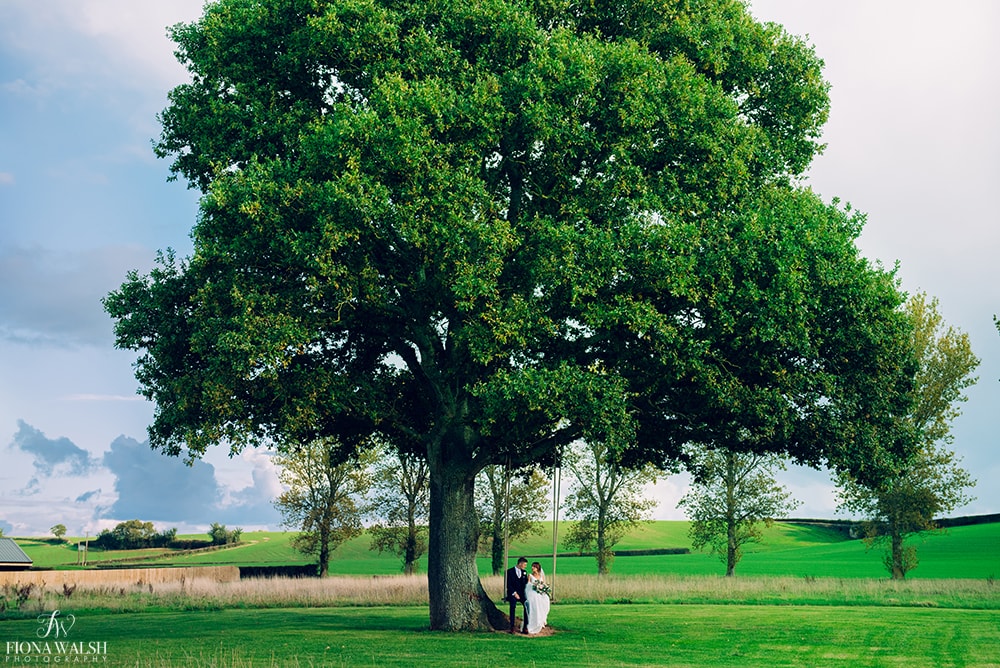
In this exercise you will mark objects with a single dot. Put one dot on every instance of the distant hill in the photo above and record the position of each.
(804, 548)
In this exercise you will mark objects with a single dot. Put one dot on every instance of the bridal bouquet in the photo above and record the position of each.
(542, 588)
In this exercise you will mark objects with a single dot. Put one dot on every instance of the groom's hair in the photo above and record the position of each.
(522, 560)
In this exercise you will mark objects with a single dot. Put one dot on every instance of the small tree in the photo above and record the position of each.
(928, 485)
(321, 499)
(59, 531)
(222, 536)
(733, 495)
(401, 502)
(168, 536)
(930, 482)
(606, 499)
(513, 517)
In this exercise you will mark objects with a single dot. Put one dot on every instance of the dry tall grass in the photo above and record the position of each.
(205, 594)
(118, 577)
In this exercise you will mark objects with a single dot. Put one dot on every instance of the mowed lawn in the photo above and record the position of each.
(584, 635)
(690, 632)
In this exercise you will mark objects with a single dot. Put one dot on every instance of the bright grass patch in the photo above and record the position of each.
(585, 635)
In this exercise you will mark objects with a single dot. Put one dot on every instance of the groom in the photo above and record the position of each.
(517, 582)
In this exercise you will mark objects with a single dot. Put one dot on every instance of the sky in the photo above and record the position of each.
(912, 140)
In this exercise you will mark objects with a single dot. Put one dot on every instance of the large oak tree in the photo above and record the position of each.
(485, 228)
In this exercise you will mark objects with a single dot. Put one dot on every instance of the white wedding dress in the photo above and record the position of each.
(537, 604)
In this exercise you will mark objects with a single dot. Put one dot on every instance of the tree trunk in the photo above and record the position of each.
(458, 601)
(898, 569)
(501, 516)
(731, 547)
(324, 553)
(410, 550)
(603, 551)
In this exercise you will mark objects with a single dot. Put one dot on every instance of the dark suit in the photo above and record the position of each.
(517, 585)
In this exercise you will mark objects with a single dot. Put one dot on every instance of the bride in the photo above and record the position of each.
(537, 599)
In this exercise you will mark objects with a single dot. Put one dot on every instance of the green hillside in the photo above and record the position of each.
(787, 549)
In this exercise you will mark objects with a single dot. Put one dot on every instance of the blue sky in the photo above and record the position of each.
(912, 140)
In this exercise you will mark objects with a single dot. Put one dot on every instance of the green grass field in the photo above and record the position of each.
(805, 596)
(787, 549)
(584, 635)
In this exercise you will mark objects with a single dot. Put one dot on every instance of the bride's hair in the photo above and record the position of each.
(535, 563)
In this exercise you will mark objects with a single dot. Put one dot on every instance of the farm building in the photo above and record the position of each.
(12, 557)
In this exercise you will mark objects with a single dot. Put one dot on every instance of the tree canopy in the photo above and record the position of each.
(399, 507)
(486, 228)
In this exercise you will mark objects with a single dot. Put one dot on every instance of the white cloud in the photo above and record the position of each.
(90, 493)
(54, 298)
(251, 506)
(47, 481)
(88, 43)
(668, 492)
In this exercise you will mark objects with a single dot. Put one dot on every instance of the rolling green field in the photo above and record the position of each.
(805, 596)
(787, 549)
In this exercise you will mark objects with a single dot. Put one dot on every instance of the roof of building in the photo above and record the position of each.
(11, 553)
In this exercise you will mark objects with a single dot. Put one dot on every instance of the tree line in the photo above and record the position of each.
(137, 535)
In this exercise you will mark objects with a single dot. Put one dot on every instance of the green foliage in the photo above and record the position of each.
(59, 531)
(222, 536)
(732, 496)
(787, 363)
(486, 229)
(930, 482)
(945, 372)
(133, 534)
